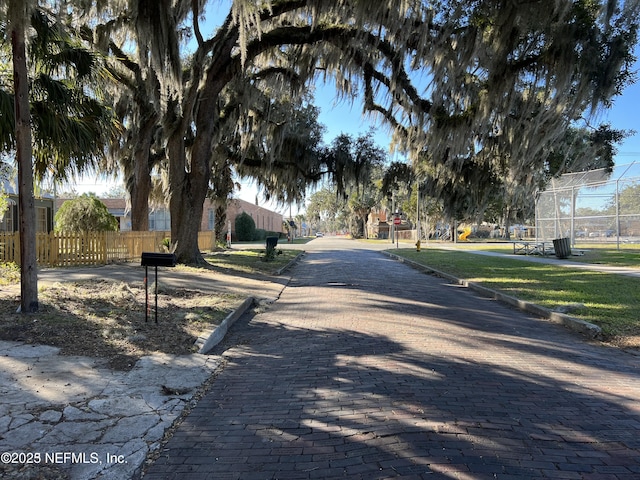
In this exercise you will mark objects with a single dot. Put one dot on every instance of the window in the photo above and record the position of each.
(6, 220)
(41, 219)
(211, 222)
(159, 220)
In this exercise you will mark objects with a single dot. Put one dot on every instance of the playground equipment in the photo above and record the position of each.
(463, 236)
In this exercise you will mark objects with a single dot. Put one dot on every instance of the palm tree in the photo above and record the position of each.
(72, 125)
(56, 126)
(18, 18)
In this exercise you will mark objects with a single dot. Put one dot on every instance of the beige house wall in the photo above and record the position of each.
(265, 219)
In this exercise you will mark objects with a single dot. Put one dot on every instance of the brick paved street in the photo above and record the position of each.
(365, 368)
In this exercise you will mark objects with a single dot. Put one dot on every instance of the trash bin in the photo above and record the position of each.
(562, 247)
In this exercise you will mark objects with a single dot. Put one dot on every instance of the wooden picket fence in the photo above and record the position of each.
(93, 248)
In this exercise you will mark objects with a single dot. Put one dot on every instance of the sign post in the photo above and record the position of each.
(397, 221)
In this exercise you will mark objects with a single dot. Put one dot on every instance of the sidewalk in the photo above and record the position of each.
(65, 417)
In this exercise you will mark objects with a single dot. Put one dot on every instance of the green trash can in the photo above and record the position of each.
(562, 247)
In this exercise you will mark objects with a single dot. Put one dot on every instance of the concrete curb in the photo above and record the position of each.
(209, 339)
(290, 264)
(587, 329)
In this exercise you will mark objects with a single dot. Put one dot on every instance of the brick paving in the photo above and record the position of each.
(365, 368)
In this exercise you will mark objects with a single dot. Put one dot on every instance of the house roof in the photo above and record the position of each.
(11, 188)
(120, 207)
(8, 187)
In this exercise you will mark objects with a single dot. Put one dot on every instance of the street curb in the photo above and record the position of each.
(206, 339)
(210, 338)
(587, 329)
(290, 264)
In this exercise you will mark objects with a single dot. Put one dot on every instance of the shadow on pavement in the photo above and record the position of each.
(367, 369)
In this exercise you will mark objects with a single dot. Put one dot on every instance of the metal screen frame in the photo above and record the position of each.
(592, 207)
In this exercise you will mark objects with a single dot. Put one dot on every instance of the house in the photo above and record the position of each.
(265, 219)
(377, 225)
(9, 220)
(160, 219)
(380, 224)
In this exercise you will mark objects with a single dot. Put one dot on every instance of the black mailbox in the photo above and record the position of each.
(153, 259)
(271, 242)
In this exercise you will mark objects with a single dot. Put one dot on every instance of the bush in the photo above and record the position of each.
(245, 227)
(165, 245)
(270, 253)
(9, 273)
(85, 214)
(259, 234)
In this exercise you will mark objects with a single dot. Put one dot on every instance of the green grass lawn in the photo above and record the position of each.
(281, 241)
(250, 261)
(612, 301)
(626, 256)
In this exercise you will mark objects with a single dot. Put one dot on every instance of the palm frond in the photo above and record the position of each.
(7, 121)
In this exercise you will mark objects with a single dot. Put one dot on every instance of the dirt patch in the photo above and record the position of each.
(631, 342)
(106, 319)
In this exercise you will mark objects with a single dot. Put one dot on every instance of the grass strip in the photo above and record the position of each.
(626, 256)
(610, 301)
(250, 261)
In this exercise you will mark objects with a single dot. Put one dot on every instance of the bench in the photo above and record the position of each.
(521, 247)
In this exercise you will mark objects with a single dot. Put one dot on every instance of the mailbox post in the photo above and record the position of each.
(153, 259)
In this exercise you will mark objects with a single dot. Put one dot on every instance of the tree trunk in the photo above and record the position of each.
(188, 191)
(186, 206)
(365, 233)
(139, 184)
(139, 176)
(18, 15)
(189, 180)
(507, 224)
(139, 189)
(221, 223)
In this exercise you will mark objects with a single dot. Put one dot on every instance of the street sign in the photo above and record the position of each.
(397, 221)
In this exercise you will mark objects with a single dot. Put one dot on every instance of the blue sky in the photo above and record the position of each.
(625, 115)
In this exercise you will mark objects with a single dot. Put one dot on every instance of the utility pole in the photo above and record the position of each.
(393, 210)
(418, 210)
